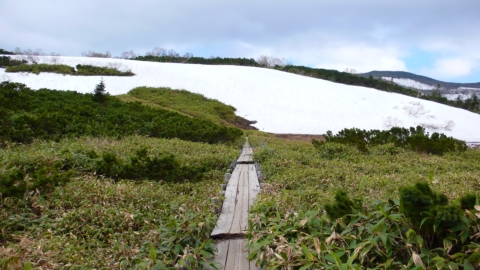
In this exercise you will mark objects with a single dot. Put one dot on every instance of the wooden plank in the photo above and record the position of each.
(220, 257)
(237, 257)
(253, 185)
(241, 208)
(224, 222)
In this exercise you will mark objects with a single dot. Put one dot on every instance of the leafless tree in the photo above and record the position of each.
(270, 61)
(351, 70)
(54, 58)
(173, 53)
(128, 55)
(157, 51)
(29, 55)
(97, 54)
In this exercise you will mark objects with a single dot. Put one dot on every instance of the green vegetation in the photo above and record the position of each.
(52, 68)
(416, 139)
(375, 201)
(199, 60)
(6, 61)
(92, 221)
(87, 70)
(82, 70)
(182, 101)
(2, 51)
(51, 115)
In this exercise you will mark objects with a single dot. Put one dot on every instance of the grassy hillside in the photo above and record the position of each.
(95, 182)
(291, 226)
(185, 102)
(94, 221)
(51, 115)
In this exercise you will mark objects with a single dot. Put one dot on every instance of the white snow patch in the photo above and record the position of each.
(281, 102)
(410, 83)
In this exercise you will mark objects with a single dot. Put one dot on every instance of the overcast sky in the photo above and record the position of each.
(435, 38)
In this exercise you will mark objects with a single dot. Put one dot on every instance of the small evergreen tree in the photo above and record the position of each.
(474, 103)
(100, 94)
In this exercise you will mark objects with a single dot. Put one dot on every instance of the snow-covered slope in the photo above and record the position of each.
(410, 83)
(280, 102)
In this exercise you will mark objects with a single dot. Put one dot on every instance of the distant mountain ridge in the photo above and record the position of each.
(420, 79)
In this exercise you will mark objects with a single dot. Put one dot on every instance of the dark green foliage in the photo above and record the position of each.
(82, 70)
(333, 150)
(468, 201)
(195, 105)
(416, 139)
(13, 184)
(6, 61)
(2, 51)
(61, 69)
(200, 60)
(16, 183)
(342, 206)
(143, 167)
(99, 94)
(51, 115)
(87, 70)
(428, 211)
(264, 154)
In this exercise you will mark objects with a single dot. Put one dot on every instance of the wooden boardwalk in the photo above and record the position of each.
(240, 194)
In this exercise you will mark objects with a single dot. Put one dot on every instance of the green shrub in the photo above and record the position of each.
(61, 69)
(51, 115)
(334, 150)
(6, 61)
(143, 167)
(89, 70)
(16, 183)
(342, 206)
(386, 149)
(263, 154)
(82, 70)
(430, 212)
(416, 139)
(469, 201)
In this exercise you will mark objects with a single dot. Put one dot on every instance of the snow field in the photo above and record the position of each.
(281, 102)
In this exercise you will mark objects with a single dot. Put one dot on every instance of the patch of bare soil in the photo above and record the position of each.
(299, 137)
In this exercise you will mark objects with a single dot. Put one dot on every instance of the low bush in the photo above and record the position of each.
(416, 139)
(16, 183)
(6, 61)
(89, 70)
(143, 167)
(289, 225)
(193, 104)
(56, 68)
(342, 206)
(51, 115)
(2, 51)
(332, 150)
(82, 70)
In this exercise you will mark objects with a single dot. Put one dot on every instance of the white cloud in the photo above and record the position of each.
(450, 68)
(364, 35)
(362, 58)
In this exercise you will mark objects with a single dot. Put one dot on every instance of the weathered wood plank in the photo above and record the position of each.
(224, 222)
(220, 257)
(253, 185)
(233, 221)
(241, 208)
(237, 257)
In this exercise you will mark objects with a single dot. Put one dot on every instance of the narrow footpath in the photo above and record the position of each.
(232, 224)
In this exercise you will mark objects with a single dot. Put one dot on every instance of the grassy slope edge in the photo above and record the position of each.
(289, 228)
